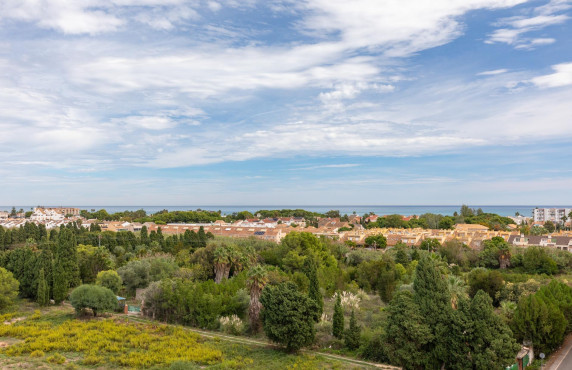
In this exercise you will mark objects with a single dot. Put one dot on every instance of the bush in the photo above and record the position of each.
(37, 353)
(109, 279)
(95, 297)
(8, 288)
(231, 325)
(56, 359)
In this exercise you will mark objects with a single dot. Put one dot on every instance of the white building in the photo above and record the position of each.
(46, 214)
(550, 214)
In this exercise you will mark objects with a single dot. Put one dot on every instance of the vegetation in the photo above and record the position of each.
(288, 316)
(94, 297)
(417, 307)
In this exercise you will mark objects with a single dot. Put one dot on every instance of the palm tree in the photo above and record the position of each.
(457, 289)
(257, 279)
(221, 263)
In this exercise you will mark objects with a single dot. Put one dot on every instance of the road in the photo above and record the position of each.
(562, 359)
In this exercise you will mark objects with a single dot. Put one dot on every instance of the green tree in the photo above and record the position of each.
(376, 241)
(549, 226)
(537, 261)
(430, 245)
(288, 316)
(8, 288)
(490, 281)
(257, 280)
(109, 279)
(95, 297)
(490, 340)
(338, 318)
(43, 295)
(60, 284)
(66, 257)
(540, 322)
(314, 287)
(353, 334)
(406, 334)
(432, 296)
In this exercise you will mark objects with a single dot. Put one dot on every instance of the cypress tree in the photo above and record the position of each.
(202, 237)
(352, 338)
(60, 284)
(66, 257)
(144, 236)
(314, 288)
(43, 295)
(338, 319)
(434, 301)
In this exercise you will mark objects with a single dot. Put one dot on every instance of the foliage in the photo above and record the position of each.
(338, 319)
(288, 316)
(489, 339)
(95, 297)
(430, 244)
(376, 241)
(109, 279)
(8, 288)
(257, 280)
(406, 333)
(314, 286)
(113, 342)
(490, 281)
(353, 334)
(537, 261)
(43, 296)
(231, 324)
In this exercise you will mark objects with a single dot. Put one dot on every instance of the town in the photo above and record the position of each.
(354, 230)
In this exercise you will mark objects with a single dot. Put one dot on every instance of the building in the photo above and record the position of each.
(556, 215)
(558, 242)
(4, 214)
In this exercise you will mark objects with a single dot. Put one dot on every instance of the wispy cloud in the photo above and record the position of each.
(492, 72)
(514, 29)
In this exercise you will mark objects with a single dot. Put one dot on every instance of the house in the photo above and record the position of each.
(4, 214)
(557, 242)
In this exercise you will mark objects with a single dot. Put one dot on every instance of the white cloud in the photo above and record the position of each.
(561, 77)
(514, 28)
(492, 72)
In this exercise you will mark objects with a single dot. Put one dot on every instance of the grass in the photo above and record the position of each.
(55, 339)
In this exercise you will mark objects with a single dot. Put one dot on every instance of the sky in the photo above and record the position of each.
(316, 102)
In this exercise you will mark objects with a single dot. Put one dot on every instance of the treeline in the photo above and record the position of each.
(436, 221)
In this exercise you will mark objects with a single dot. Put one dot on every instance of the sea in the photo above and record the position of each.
(504, 210)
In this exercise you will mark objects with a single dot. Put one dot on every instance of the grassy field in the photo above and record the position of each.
(55, 339)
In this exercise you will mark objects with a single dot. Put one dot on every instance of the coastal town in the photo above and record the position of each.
(353, 230)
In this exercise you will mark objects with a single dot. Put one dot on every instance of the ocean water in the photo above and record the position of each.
(525, 210)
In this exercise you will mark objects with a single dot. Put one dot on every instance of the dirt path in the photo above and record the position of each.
(242, 340)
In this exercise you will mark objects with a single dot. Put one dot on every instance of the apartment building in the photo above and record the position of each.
(550, 214)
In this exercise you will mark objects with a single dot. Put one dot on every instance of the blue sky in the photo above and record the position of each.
(196, 102)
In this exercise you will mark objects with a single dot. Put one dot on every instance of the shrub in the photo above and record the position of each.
(231, 324)
(8, 288)
(56, 359)
(109, 279)
(37, 353)
(95, 297)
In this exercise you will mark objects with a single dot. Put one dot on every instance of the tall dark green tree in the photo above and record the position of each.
(43, 295)
(314, 287)
(288, 316)
(434, 301)
(60, 284)
(540, 322)
(338, 318)
(406, 334)
(66, 257)
(490, 340)
(352, 335)
(202, 237)
(144, 235)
